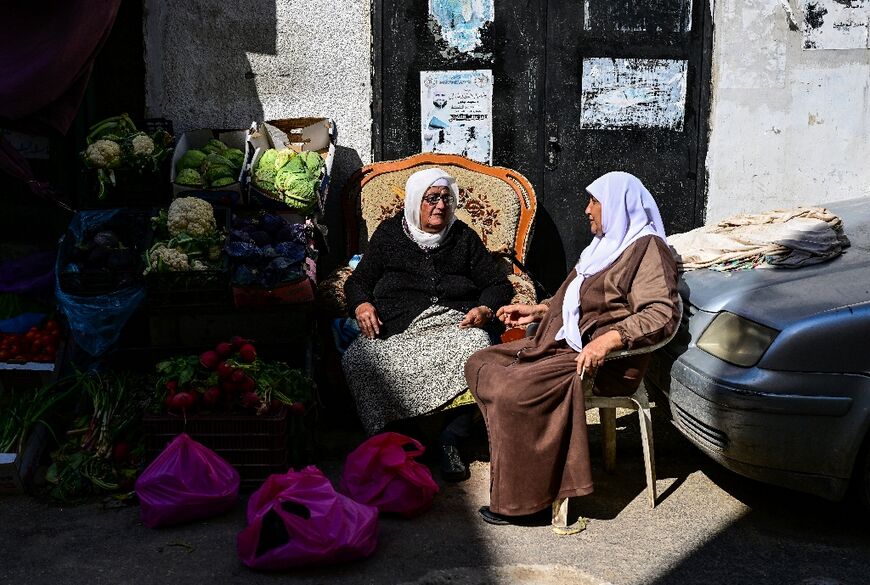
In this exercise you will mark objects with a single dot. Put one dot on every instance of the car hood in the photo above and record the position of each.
(778, 296)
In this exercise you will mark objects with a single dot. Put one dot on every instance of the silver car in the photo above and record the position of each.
(770, 372)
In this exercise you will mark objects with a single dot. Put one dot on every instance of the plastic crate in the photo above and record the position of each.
(301, 291)
(255, 445)
(189, 289)
(195, 288)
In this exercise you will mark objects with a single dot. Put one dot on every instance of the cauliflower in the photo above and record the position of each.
(191, 215)
(142, 145)
(162, 258)
(103, 154)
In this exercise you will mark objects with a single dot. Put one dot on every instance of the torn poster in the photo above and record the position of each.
(662, 16)
(461, 21)
(837, 24)
(456, 113)
(633, 93)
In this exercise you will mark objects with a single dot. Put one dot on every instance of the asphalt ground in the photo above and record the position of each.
(710, 526)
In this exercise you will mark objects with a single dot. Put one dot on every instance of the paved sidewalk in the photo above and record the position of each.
(710, 527)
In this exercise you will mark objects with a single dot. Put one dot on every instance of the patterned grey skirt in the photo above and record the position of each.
(411, 373)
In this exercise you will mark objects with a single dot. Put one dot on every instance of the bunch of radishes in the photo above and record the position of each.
(228, 377)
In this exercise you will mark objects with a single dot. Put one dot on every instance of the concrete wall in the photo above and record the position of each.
(219, 64)
(788, 126)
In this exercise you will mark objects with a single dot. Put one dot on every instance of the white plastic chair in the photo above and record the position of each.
(607, 406)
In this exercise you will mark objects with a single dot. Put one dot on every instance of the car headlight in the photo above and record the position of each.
(736, 340)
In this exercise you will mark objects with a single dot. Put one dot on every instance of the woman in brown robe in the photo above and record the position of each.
(621, 294)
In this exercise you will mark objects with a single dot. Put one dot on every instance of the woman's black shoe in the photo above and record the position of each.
(491, 517)
(452, 467)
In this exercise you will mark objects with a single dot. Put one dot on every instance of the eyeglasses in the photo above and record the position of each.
(434, 199)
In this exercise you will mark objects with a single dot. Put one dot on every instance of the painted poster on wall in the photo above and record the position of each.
(837, 24)
(633, 93)
(456, 113)
(461, 21)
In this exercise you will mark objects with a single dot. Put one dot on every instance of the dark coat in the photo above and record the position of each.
(401, 280)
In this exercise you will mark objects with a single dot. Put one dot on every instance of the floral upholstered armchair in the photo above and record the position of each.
(498, 203)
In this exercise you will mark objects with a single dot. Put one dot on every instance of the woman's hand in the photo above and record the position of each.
(476, 317)
(514, 315)
(367, 317)
(591, 357)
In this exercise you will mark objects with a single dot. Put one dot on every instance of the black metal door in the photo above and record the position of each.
(613, 103)
(536, 50)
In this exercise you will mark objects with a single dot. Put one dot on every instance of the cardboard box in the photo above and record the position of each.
(299, 134)
(18, 469)
(227, 194)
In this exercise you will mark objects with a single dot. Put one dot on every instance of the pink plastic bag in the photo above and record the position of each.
(382, 472)
(299, 519)
(187, 481)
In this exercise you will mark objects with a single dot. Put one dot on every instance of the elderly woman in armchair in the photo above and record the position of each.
(423, 295)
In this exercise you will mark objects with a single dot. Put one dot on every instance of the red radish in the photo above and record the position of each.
(224, 350)
(238, 341)
(212, 396)
(120, 452)
(228, 387)
(248, 353)
(238, 375)
(224, 370)
(167, 402)
(209, 360)
(247, 384)
(182, 401)
(172, 385)
(297, 408)
(250, 400)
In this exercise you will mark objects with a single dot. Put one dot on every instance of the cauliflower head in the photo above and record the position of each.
(143, 145)
(191, 215)
(162, 259)
(103, 154)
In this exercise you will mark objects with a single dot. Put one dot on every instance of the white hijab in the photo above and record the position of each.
(628, 213)
(415, 188)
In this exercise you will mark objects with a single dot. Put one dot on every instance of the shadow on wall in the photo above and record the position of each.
(202, 75)
(546, 257)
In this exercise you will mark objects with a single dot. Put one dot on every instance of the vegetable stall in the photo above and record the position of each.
(182, 302)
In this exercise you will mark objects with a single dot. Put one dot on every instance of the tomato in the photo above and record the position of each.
(4, 355)
(37, 346)
(52, 325)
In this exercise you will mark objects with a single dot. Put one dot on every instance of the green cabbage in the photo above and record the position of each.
(313, 162)
(283, 157)
(235, 156)
(264, 178)
(192, 159)
(223, 181)
(267, 159)
(216, 167)
(189, 177)
(214, 146)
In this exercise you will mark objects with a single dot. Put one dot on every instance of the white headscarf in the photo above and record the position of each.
(415, 188)
(628, 213)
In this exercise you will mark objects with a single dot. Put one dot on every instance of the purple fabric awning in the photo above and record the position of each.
(47, 52)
